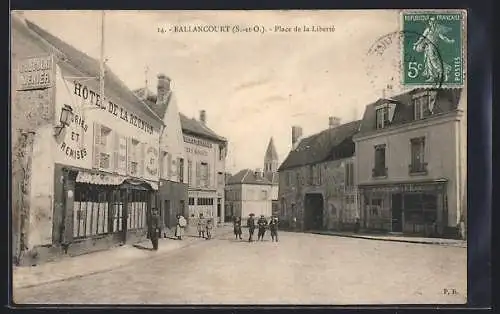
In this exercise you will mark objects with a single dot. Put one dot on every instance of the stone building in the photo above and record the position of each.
(249, 191)
(316, 180)
(173, 186)
(271, 164)
(206, 154)
(411, 164)
(90, 186)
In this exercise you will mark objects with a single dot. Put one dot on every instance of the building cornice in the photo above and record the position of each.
(453, 116)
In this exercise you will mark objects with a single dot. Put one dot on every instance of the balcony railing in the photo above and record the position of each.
(417, 168)
(379, 172)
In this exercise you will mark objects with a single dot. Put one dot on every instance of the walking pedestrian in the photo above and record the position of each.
(251, 227)
(273, 226)
(201, 227)
(179, 228)
(155, 228)
(262, 223)
(237, 227)
(209, 228)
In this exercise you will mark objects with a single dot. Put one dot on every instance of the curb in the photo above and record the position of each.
(390, 240)
(186, 245)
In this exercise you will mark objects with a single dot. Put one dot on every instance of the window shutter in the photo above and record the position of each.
(142, 158)
(198, 168)
(209, 177)
(130, 155)
(169, 165)
(116, 152)
(97, 146)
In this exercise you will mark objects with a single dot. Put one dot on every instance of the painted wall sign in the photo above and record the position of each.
(197, 141)
(72, 145)
(152, 160)
(35, 73)
(197, 151)
(95, 99)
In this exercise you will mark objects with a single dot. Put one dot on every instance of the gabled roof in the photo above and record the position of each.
(195, 127)
(272, 177)
(330, 144)
(271, 153)
(446, 101)
(91, 67)
(188, 125)
(248, 176)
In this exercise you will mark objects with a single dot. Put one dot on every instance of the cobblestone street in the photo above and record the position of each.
(300, 269)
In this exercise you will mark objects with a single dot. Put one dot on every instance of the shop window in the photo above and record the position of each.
(420, 207)
(376, 206)
(137, 209)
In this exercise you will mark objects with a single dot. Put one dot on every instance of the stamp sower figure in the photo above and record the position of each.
(209, 228)
(237, 227)
(201, 226)
(251, 227)
(179, 228)
(155, 228)
(262, 223)
(273, 226)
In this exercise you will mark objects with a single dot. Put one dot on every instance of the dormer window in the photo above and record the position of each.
(423, 104)
(385, 114)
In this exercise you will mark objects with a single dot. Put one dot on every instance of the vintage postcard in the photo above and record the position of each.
(239, 157)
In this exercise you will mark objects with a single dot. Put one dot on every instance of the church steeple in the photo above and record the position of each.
(271, 161)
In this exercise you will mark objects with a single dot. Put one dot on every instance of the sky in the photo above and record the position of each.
(253, 86)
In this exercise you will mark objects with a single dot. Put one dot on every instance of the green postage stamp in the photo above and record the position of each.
(433, 48)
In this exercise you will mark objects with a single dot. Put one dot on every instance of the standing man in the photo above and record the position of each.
(209, 228)
(273, 226)
(155, 228)
(262, 223)
(251, 227)
(201, 226)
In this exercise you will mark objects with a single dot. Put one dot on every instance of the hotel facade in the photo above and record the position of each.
(85, 165)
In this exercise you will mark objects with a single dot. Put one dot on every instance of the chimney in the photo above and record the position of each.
(203, 116)
(333, 122)
(163, 88)
(296, 136)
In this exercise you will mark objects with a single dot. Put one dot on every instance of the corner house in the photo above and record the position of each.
(101, 169)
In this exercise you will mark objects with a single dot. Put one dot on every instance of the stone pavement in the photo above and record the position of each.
(302, 268)
(396, 238)
(102, 261)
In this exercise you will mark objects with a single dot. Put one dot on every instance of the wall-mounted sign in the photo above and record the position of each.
(196, 151)
(94, 98)
(72, 144)
(152, 160)
(35, 73)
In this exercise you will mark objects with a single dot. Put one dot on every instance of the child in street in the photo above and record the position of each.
(201, 226)
(209, 228)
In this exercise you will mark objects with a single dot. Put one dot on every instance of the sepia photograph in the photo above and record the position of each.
(280, 157)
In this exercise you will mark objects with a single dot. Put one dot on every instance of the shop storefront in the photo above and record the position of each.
(413, 208)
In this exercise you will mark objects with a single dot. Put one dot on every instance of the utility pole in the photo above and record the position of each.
(101, 76)
(146, 72)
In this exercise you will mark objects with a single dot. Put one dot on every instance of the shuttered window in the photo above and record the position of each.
(198, 174)
(96, 161)
(104, 148)
(134, 156)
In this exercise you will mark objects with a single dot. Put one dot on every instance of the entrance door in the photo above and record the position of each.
(313, 211)
(397, 213)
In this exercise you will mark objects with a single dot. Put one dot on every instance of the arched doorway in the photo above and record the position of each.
(313, 211)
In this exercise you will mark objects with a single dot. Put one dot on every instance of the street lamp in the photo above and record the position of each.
(64, 119)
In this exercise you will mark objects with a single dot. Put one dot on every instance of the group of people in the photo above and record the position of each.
(262, 224)
(205, 227)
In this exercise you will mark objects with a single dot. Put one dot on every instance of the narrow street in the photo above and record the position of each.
(300, 269)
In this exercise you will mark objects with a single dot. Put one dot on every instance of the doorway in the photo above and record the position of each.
(313, 212)
(397, 213)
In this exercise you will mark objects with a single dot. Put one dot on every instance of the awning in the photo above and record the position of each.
(110, 179)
